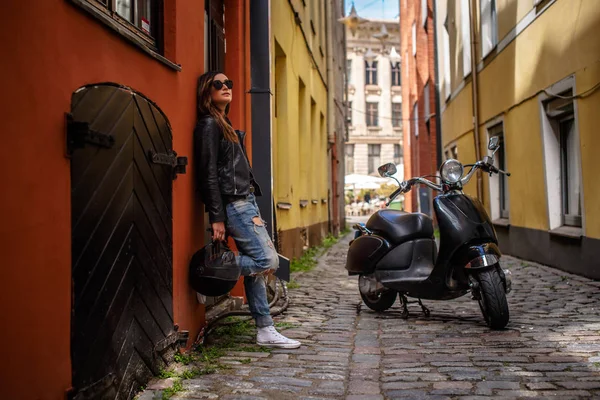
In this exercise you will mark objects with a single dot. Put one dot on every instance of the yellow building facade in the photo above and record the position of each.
(536, 87)
(301, 170)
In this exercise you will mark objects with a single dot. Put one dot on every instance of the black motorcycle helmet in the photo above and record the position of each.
(213, 270)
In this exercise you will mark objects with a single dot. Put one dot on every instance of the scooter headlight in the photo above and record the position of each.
(451, 171)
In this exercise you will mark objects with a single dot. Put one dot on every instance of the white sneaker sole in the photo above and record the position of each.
(280, 345)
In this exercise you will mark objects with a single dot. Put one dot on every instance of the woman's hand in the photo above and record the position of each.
(218, 231)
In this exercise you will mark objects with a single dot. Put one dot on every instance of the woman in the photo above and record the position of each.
(227, 187)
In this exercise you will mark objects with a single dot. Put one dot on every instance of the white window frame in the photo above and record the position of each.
(492, 128)
(372, 120)
(349, 71)
(373, 163)
(489, 26)
(465, 30)
(371, 72)
(552, 161)
(349, 160)
(446, 55)
(395, 119)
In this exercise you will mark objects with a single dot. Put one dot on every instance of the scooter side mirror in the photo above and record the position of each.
(387, 170)
(494, 143)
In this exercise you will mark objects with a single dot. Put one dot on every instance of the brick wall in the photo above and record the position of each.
(420, 152)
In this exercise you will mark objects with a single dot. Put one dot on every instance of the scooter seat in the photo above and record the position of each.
(399, 226)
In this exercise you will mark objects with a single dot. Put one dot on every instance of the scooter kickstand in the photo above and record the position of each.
(404, 302)
(424, 308)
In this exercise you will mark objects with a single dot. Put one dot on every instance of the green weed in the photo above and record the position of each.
(164, 374)
(292, 284)
(170, 392)
(285, 325)
(306, 262)
(184, 359)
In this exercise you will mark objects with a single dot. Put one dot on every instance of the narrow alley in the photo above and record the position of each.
(551, 347)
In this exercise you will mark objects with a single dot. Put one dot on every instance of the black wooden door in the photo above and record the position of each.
(121, 243)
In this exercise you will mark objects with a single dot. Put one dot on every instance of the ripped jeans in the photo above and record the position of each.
(256, 254)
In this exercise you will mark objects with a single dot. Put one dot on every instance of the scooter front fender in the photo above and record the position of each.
(482, 256)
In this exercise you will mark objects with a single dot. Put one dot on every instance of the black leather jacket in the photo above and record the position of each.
(222, 167)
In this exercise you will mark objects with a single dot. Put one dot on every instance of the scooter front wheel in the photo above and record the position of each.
(376, 300)
(492, 301)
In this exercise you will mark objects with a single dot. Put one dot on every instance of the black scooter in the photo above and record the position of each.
(395, 252)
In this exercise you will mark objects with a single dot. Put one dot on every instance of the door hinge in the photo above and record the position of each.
(170, 158)
(79, 134)
(179, 338)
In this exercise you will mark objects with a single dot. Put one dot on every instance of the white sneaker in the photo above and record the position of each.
(269, 337)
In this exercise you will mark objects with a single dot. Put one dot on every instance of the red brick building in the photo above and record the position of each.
(421, 155)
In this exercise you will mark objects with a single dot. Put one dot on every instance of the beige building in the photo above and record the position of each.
(528, 72)
(374, 97)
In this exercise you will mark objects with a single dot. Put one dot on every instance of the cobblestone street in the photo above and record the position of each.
(551, 347)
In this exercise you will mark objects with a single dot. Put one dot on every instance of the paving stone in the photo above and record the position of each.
(363, 387)
(540, 385)
(550, 349)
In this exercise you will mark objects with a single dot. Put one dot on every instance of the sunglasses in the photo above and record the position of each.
(219, 85)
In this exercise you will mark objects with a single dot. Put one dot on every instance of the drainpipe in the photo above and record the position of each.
(260, 68)
(475, 88)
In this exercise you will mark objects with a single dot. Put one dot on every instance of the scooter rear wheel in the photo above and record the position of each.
(493, 304)
(379, 301)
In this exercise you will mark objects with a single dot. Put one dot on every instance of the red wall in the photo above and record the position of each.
(51, 48)
(420, 154)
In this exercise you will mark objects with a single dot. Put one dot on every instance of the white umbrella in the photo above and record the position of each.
(353, 179)
(357, 181)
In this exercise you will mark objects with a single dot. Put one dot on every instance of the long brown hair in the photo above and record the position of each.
(206, 106)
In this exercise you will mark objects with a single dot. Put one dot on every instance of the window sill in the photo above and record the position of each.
(284, 206)
(372, 89)
(501, 222)
(374, 128)
(571, 232)
(125, 33)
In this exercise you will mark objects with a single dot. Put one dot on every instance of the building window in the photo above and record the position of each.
(563, 161)
(489, 26)
(374, 157)
(348, 71)
(397, 115)
(371, 73)
(397, 154)
(414, 38)
(349, 159)
(138, 17)
(396, 77)
(499, 182)
(349, 113)
(465, 30)
(569, 171)
(446, 55)
(451, 152)
(415, 118)
(372, 114)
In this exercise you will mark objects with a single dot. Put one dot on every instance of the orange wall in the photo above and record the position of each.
(51, 49)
